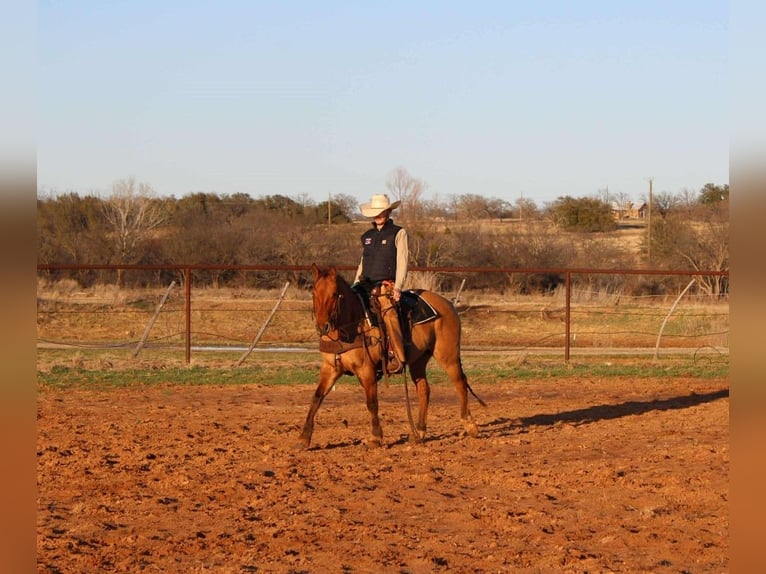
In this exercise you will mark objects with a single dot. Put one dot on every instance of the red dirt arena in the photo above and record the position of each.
(589, 475)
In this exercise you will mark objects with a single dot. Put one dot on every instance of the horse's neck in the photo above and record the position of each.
(352, 311)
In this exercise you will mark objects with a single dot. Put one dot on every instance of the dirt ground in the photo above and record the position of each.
(609, 475)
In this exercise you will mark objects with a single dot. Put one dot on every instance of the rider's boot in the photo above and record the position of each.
(396, 356)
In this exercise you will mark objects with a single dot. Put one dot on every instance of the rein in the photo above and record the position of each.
(341, 326)
(413, 431)
(337, 345)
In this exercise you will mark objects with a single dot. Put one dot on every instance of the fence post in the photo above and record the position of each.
(459, 291)
(568, 284)
(187, 279)
(263, 327)
(664, 322)
(153, 319)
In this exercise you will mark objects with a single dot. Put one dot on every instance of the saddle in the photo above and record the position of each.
(413, 309)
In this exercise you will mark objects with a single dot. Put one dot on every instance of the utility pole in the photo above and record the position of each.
(649, 226)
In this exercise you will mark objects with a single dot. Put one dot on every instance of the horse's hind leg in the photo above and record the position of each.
(461, 384)
(328, 374)
(418, 373)
(451, 363)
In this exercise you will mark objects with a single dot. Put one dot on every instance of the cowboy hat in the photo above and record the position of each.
(378, 205)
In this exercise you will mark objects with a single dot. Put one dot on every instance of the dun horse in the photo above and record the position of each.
(351, 345)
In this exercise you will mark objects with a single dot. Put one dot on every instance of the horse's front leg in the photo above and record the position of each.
(329, 373)
(369, 383)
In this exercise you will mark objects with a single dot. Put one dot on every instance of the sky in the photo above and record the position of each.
(503, 99)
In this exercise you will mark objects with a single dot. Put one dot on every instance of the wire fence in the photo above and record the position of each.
(184, 318)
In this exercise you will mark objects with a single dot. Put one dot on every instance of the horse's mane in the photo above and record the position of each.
(350, 308)
(342, 283)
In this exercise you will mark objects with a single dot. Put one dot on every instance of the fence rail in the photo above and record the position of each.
(185, 273)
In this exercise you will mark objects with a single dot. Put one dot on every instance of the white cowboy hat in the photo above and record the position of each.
(378, 205)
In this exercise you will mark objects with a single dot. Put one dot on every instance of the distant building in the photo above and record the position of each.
(629, 210)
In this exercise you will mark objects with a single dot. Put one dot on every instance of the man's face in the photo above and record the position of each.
(381, 218)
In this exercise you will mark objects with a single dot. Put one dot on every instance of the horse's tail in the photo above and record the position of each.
(482, 403)
(468, 386)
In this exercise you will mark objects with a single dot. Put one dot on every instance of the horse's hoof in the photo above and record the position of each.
(374, 442)
(303, 443)
(472, 429)
(418, 437)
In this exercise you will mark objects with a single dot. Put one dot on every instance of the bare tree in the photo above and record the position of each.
(527, 208)
(687, 198)
(408, 190)
(696, 240)
(706, 246)
(131, 214)
(664, 202)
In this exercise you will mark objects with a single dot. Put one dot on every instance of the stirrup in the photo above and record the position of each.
(394, 366)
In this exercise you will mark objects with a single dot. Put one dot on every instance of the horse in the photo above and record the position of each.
(350, 344)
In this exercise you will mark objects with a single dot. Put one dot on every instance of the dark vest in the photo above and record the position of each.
(379, 252)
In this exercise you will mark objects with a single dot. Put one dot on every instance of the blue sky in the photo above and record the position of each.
(501, 99)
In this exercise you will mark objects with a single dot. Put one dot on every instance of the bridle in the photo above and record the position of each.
(334, 316)
(333, 319)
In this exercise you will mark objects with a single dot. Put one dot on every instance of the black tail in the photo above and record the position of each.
(475, 396)
(482, 403)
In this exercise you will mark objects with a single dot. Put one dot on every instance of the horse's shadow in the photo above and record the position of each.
(505, 426)
(402, 439)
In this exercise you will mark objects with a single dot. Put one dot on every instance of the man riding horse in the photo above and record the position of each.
(383, 270)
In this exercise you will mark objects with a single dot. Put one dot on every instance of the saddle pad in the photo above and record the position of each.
(419, 310)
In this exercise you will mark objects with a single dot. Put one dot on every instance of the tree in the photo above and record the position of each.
(664, 202)
(70, 229)
(527, 208)
(712, 193)
(340, 209)
(131, 212)
(347, 204)
(696, 240)
(407, 189)
(282, 204)
(474, 206)
(686, 198)
(333, 211)
(582, 214)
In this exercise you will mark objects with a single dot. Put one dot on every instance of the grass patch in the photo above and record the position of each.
(559, 371)
(69, 377)
(303, 368)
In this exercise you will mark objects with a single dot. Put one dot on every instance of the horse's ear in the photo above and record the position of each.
(332, 272)
(315, 271)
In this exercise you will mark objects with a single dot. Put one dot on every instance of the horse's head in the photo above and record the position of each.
(326, 299)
